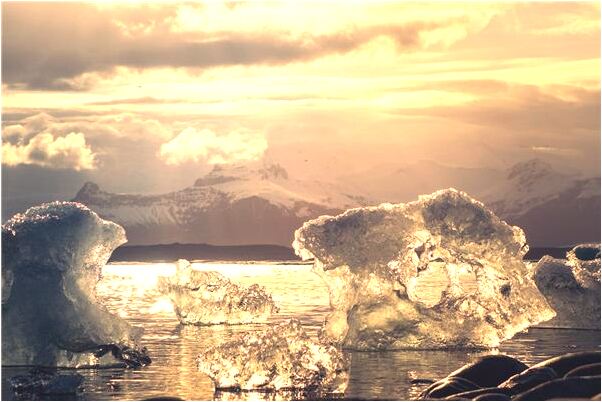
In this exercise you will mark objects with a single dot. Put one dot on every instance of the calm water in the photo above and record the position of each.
(130, 291)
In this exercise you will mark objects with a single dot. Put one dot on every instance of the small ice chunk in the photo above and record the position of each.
(440, 272)
(572, 288)
(209, 298)
(52, 257)
(45, 382)
(586, 260)
(278, 359)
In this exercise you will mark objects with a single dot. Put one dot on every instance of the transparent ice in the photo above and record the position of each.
(209, 298)
(52, 256)
(572, 287)
(440, 272)
(281, 358)
(585, 258)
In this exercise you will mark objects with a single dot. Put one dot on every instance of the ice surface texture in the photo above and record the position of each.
(52, 258)
(585, 258)
(572, 287)
(440, 272)
(209, 298)
(281, 358)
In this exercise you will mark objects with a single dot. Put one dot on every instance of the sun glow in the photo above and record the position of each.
(413, 76)
(162, 305)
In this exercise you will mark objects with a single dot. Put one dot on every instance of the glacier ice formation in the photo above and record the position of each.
(440, 272)
(282, 358)
(209, 298)
(52, 258)
(572, 287)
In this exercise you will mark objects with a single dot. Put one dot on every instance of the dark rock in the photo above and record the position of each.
(563, 388)
(584, 371)
(486, 372)
(478, 392)
(528, 379)
(489, 371)
(492, 397)
(422, 381)
(448, 386)
(565, 363)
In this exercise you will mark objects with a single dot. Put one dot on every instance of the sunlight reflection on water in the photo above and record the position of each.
(130, 291)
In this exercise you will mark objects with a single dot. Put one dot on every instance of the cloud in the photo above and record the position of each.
(555, 151)
(134, 126)
(57, 46)
(112, 142)
(524, 120)
(97, 128)
(523, 109)
(193, 145)
(67, 152)
(145, 100)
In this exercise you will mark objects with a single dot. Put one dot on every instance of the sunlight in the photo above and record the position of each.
(345, 199)
(162, 305)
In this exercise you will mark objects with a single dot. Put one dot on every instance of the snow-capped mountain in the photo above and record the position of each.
(241, 205)
(404, 182)
(553, 208)
(233, 205)
(525, 186)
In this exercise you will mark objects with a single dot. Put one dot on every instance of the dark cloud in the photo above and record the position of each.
(482, 87)
(46, 45)
(24, 186)
(150, 100)
(145, 100)
(523, 117)
(537, 29)
(527, 110)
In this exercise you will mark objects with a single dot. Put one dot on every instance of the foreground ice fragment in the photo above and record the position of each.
(43, 382)
(572, 287)
(440, 272)
(52, 256)
(209, 298)
(281, 358)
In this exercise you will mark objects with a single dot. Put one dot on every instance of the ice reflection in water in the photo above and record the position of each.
(130, 290)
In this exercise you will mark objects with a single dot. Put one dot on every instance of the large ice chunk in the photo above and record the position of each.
(572, 287)
(440, 272)
(280, 358)
(52, 256)
(209, 298)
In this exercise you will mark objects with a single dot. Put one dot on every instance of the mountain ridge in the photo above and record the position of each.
(240, 205)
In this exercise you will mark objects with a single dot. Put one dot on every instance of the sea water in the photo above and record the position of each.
(130, 290)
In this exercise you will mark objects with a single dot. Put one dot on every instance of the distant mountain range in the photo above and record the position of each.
(232, 206)
(553, 208)
(242, 206)
(249, 253)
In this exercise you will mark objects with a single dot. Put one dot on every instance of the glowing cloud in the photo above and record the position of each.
(68, 152)
(193, 145)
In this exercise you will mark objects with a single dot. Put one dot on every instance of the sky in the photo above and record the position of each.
(147, 97)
